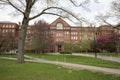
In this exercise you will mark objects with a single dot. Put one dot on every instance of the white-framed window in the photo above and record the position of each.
(13, 26)
(3, 30)
(74, 37)
(52, 32)
(74, 33)
(58, 34)
(6, 26)
(59, 26)
(9, 26)
(6, 30)
(66, 32)
(52, 27)
(3, 26)
(66, 28)
(12, 30)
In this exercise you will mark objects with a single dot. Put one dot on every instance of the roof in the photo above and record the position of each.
(7, 22)
(117, 26)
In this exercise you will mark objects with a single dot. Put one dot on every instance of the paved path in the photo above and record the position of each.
(110, 58)
(71, 65)
(116, 59)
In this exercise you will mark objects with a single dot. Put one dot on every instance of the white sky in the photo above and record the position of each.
(96, 8)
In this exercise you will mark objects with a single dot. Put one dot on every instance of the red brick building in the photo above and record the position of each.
(9, 36)
(62, 33)
(6, 27)
(105, 30)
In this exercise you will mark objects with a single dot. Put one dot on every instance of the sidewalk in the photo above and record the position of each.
(71, 65)
(99, 56)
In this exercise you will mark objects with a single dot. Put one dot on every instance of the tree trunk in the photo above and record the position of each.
(21, 41)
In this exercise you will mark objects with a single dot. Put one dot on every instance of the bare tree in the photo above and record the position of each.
(115, 9)
(104, 19)
(42, 39)
(114, 13)
(26, 8)
(7, 42)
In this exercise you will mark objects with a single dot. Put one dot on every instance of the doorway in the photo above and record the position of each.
(59, 47)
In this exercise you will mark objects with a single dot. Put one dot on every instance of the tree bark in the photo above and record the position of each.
(21, 41)
(22, 33)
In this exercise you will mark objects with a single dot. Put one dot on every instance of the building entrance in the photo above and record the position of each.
(59, 47)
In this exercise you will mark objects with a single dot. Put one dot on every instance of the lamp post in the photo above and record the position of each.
(95, 43)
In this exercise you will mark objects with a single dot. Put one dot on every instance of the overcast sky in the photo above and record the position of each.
(96, 8)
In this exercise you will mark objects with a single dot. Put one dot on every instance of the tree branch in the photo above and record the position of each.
(9, 2)
(59, 16)
(22, 3)
(82, 4)
(33, 2)
(75, 4)
(64, 10)
(3, 1)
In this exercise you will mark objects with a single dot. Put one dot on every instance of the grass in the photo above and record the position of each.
(9, 70)
(8, 55)
(79, 60)
(109, 54)
(73, 59)
(105, 54)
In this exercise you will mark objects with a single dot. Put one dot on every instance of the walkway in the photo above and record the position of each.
(116, 59)
(71, 65)
(110, 58)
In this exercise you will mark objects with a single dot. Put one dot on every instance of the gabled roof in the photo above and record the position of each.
(59, 20)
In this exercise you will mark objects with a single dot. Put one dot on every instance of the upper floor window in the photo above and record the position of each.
(13, 26)
(6, 26)
(3, 26)
(59, 26)
(9, 26)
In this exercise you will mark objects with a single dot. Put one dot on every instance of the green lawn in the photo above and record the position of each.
(105, 54)
(79, 60)
(9, 70)
(8, 55)
(110, 54)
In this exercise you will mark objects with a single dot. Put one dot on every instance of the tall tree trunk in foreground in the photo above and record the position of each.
(21, 43)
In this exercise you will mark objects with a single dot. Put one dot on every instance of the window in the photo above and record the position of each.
(3, 26)
(3, 30)
(59, 39)
(58, 34)
(74, 33)
(52, 32)
(52, 28)
(66, 28)
(74, 37)
(6, 26)
(12, 30)
(59, 26)
(66, 32)
(9, 26)
(6, 30)
(12, 26)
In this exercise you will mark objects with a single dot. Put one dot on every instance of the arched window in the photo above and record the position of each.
(59, 26)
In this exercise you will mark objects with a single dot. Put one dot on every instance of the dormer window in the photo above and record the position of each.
(59, 26)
